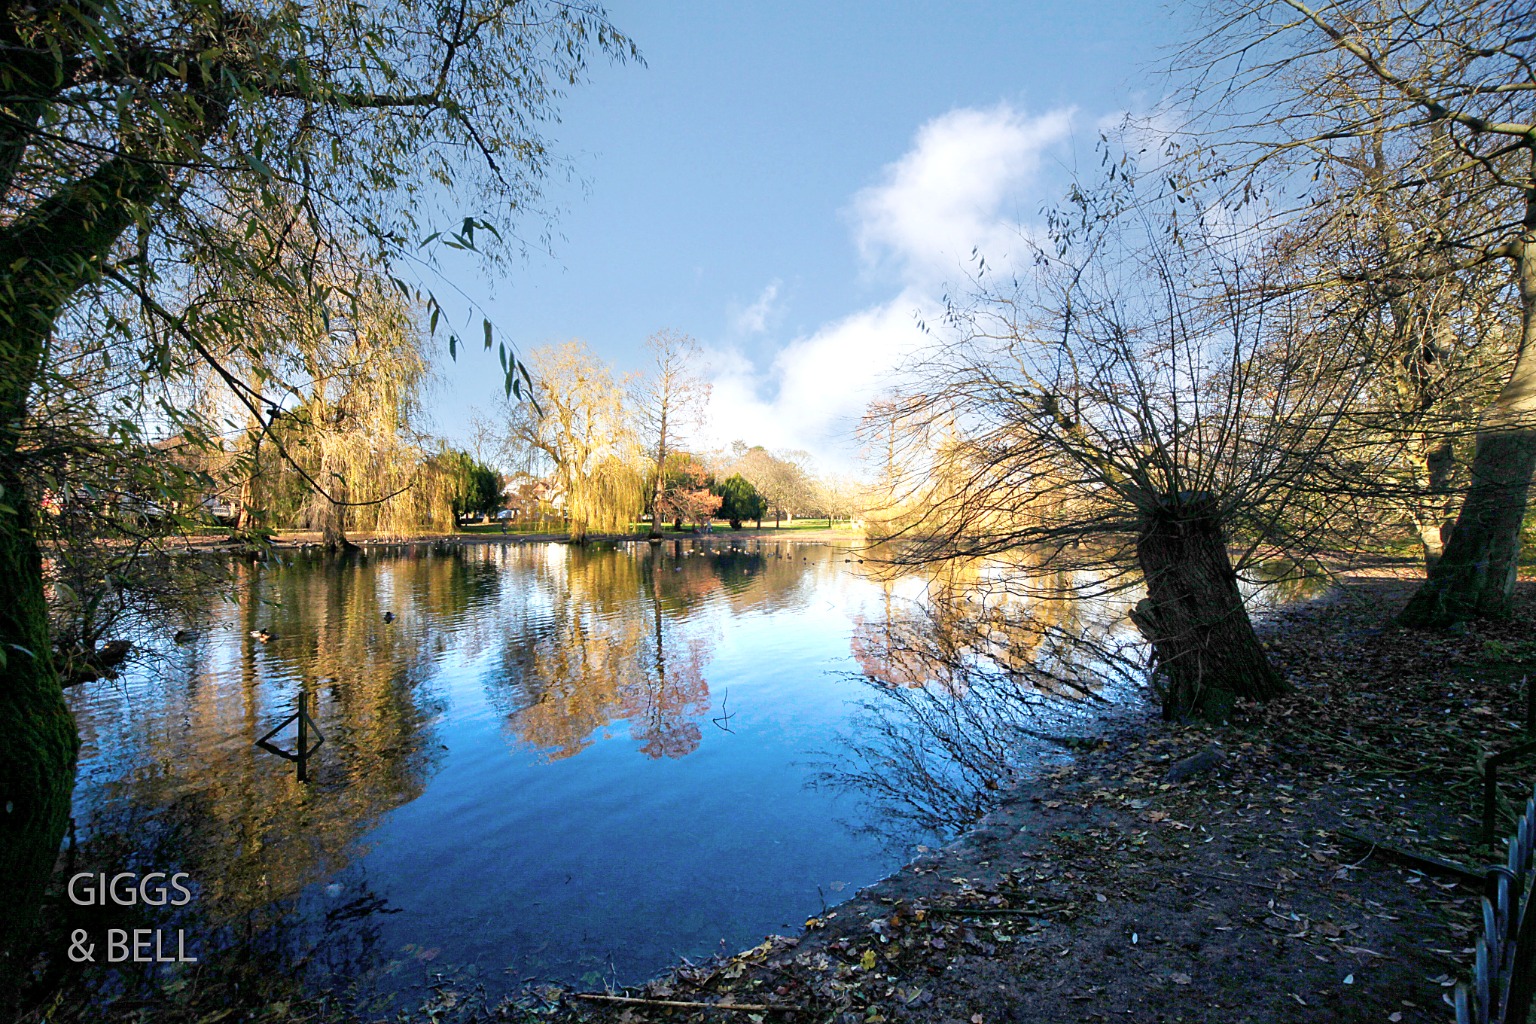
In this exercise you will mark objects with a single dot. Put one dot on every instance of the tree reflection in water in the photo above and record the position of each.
(582, 661)
(973, 661)
(171, 780)
(964, 672)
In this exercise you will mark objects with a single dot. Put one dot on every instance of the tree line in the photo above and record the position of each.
(608, 450)
(1295, 310)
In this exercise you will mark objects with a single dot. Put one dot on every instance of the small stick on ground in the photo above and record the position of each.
(1003, 911)
(682, 1004)
(1267, 886)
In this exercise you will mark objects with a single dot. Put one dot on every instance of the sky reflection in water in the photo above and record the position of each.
(554, 762)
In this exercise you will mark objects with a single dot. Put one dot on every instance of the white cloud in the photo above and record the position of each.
(818, 384)
(956, 190)
(754, 319)
(960, 187)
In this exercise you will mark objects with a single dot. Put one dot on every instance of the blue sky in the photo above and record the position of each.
(790, 182)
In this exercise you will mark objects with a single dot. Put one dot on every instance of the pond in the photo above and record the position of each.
(553, 763)
(550, 762)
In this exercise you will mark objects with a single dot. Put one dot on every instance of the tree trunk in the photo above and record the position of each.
(332, 536)
(37, 771)
(1437, 465)
(46, 257)
(1206, 651)
(333, 531)
(1475, 578)
(1431, 541)
(661, 468)
(245, 516)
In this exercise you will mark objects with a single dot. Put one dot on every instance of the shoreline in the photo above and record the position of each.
(1178, 872)
(290, 540)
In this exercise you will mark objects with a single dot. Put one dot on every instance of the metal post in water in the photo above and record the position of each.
(305, 725)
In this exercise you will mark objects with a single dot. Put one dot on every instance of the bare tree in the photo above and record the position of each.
(1146, 396)
(782, 478)
(671, 401)
(1449, 87)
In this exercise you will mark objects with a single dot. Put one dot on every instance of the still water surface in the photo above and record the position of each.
(558, 763)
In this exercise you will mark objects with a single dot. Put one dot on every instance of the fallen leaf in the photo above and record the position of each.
(1182, 979)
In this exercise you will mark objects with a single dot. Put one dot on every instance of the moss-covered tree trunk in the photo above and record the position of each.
(1193, 615)
(39, 739)
(1475, 577)
(46, 256)
(37, 770)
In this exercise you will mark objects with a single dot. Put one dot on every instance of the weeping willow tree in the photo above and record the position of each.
(339, 364)
(579, 433)
(264, 324)
(111, 498)
(348, 445)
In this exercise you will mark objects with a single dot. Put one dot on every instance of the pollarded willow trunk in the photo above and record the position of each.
(1193, 615)
(1475, 578)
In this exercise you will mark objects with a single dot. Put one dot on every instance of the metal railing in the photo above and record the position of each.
(1503, 981)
